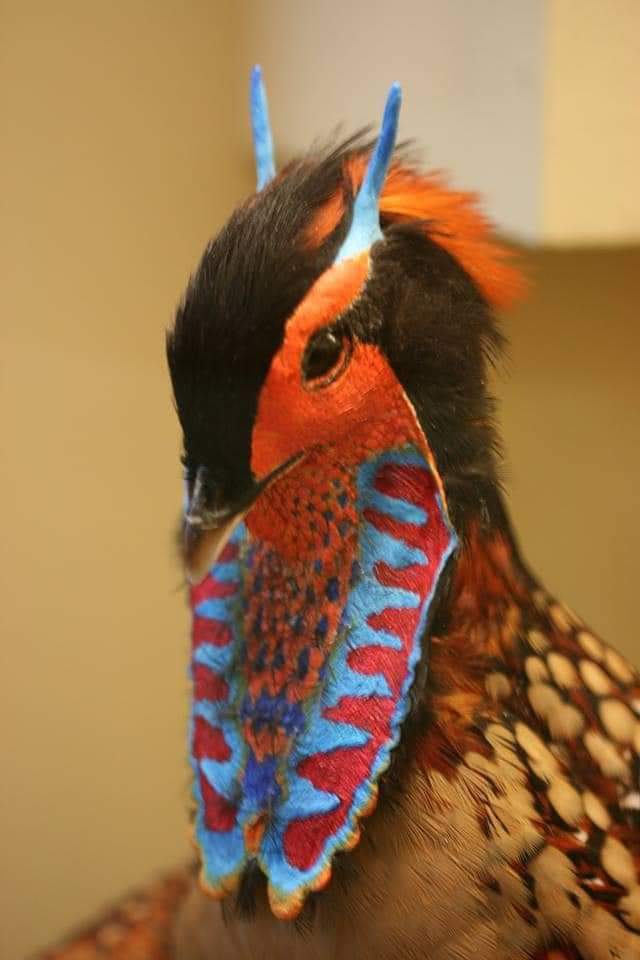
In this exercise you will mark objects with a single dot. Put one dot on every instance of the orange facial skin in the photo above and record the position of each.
(293, 418)
(333, 427)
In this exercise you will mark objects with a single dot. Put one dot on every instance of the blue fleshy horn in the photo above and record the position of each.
(365, 224)
(262, 140)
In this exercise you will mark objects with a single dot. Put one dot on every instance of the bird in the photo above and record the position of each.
(402, 745)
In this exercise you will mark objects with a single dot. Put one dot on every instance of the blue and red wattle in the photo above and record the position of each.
(302, 671)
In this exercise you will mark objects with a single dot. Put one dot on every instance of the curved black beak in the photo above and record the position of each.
(208, 524)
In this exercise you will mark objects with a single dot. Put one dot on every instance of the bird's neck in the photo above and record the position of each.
(476, 639)
(306, 636)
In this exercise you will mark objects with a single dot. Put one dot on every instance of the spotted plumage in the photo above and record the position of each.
(402, 746)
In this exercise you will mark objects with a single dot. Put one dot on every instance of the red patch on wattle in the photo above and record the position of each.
(212, 589)
(210, 631)
(408, 578)
(411, 533)
(219, 814)
(401, 622)
(371, 660)
(369, 713)
(417, 484)
(209, 742)
(229, 553)
(208, 685)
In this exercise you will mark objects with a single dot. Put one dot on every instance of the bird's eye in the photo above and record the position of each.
(328, 353)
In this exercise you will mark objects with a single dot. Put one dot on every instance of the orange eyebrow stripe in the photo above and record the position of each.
(332, 293)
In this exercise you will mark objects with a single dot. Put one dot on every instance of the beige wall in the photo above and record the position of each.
(119, 156)
(124, 144)
(571, 411)
(591, 122)
(471, 74)
(534, 103)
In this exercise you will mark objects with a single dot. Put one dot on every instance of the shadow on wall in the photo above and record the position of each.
(571, 416)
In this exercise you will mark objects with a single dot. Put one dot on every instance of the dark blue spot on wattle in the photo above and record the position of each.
(303, 663)
(292, 718)
(333, 589)
(329, 516)
(356, 573)
(342, 499)
(310, 596)
(317, 565)
(278, 660)
(298, 624)
(264, 710)
(260, 784)
(321, 628)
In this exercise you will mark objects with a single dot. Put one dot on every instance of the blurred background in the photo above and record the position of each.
(125, 144)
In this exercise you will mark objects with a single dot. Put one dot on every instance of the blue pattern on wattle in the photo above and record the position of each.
(251, 785)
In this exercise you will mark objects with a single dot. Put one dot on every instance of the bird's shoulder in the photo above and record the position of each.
(538, 719)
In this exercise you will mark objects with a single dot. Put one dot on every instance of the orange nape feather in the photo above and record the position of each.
(325, 220)
(452, 219)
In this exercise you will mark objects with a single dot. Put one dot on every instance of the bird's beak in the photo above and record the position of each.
(204, 541)
(207, 531)
(207, 526)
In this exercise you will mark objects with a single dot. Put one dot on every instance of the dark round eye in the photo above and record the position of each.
(327, 354)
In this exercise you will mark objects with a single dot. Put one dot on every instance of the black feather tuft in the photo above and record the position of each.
(440, 337)
(231, 320)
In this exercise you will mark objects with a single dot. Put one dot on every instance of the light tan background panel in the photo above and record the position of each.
(120, 154)
(571, 414)
(591, 123)
(124, 145)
